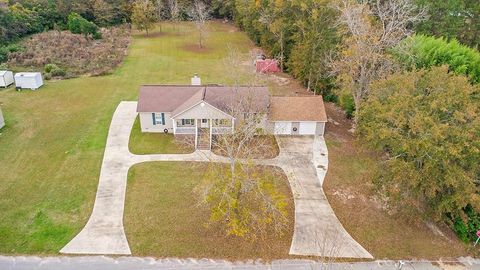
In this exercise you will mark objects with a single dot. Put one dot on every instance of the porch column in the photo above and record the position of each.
(233, 125)
(174, 126)
(196, 133)
(210, 122)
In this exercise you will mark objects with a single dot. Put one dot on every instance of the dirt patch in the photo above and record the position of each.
(195, 48)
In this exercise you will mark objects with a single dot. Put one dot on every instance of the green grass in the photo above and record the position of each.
(155, 226)
(52, 147)
(155, 143)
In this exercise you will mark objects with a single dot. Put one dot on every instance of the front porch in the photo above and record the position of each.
(203, 129)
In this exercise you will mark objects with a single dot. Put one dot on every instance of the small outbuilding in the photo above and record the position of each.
(6, 78)
(302, 115)
(267, 66)
(28, 80)
(2, 121)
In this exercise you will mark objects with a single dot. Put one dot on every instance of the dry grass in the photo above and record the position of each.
(74, 53)
(155, 226)
(349, 189)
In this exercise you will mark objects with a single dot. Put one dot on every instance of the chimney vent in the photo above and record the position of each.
(196, 80)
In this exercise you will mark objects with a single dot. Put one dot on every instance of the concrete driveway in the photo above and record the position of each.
(317, 230)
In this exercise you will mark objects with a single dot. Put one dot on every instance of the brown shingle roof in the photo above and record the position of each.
(301, 108)
(165, 98)
(176, 98)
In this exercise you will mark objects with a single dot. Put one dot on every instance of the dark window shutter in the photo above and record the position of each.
(154, 120)
(183, 122)
(163, 118)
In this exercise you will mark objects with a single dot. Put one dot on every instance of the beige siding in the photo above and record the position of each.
(203, 112)
(146, 122)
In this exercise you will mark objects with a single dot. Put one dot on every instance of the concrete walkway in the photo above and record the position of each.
(317, 230)
(135, 263)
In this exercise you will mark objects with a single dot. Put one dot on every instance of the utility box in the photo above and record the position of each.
(6, 78)
(28, 80)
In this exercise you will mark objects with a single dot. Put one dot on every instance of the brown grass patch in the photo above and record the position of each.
(196, 49)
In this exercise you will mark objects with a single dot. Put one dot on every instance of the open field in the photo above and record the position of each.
(52, 147)
(349, 189)
(155, 226)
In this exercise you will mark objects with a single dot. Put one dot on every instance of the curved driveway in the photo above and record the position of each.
(317, 230)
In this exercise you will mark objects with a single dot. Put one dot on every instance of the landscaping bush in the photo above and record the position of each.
(73, 52)
(78, 25)
(5, 50)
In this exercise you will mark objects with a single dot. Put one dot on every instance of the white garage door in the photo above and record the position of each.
(307, 128)
(282, 128)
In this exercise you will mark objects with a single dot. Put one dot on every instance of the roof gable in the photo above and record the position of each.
(202, 109)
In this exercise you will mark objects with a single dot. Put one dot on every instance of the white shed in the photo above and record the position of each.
(304, 115)
(6, 78)
(2, 121)
(28, 80)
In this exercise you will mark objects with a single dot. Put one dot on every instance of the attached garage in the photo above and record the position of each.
(297, 115)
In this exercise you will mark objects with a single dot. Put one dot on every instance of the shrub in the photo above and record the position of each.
(348, 104)
(6, 50)
(79, 25)
(54, 71)
(467, 227)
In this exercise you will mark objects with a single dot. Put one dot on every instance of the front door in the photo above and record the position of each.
(204, 123)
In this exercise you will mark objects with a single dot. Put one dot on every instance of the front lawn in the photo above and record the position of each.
(163, 218)
(155, 143)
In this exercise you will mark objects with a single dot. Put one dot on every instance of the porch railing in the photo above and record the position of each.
(185, 130)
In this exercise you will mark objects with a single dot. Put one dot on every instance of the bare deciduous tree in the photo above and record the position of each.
(173, 10)
(371, 29)
(200, 14)
(241, 195)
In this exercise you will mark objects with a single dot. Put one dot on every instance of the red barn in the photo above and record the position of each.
(267, 66)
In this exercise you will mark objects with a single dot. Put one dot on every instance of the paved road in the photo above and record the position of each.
(317, 231)
(133, 263)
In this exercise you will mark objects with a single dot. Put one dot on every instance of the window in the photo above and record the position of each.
(158, 118)
(188, 122)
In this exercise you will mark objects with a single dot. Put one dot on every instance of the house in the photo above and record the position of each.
(203, 111)
(28, 80)
(2, 121)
